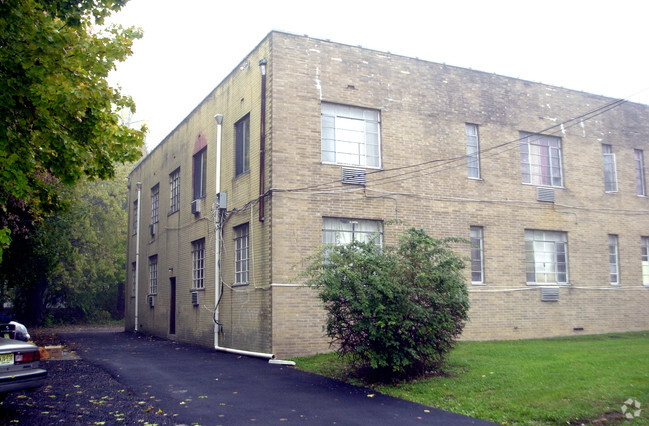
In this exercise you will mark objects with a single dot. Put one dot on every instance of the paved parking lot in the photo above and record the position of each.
(200, 385)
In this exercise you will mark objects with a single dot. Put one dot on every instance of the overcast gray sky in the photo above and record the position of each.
(189, 47)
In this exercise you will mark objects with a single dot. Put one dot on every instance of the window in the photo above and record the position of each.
(155, 204)
(541, 159)
(546, 256)
(641, 188)
(135, 217)
(350, 136)
(610, 171)
(242, 146)
(477, 271)
(645, 260)
(613, 259)
(200, 173)
(336, 231)
(133, 275)
(241, 254)
(198, 264)
(153, 274)
(174, 190)
(473, 151)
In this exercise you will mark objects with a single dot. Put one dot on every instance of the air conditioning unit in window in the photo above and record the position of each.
(195, 299)
(152, 229)
(196, 206)
(150, 299)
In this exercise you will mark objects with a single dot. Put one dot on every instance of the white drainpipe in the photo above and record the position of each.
(137, 254)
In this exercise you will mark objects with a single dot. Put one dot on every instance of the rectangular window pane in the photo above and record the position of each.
(472, 151)
(155, 204)
(541, 162)
(645, 260)
(153, 275)
(241, 254)
(198, 264)
(639, 172)
(338, 231)
(351, 135)
(610, 172)
(546, 256)
(477, 272)
(174, 191)
(242, 146)
(200, 174)
(135, 217)
(613, 259)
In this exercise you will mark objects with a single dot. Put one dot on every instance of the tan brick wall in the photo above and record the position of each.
(424, 108)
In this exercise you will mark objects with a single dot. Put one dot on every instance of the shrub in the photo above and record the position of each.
(395, 311)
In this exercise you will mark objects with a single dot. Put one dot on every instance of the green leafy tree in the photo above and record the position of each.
(71, 266)
(59, 117)
(395, 312)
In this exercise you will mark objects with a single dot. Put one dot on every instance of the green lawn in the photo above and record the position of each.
(541, 381)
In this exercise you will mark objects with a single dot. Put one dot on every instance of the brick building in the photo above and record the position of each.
(320, 142)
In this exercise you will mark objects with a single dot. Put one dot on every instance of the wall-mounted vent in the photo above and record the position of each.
(545, 194)
(195, 298)
(150, 300)
(196, 206)
(353, 176)
(153, 228)
(549, 294)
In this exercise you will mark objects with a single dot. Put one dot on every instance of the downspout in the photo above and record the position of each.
(137, 255)
(262, 142)
(217, 233)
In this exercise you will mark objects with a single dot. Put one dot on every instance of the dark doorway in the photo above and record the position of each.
(172, 308)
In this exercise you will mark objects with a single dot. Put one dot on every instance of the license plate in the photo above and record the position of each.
(6, 359)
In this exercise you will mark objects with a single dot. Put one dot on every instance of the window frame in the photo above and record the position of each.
(242, 146)
(174, 191)
(644, 259)
(155, 204)
(329, 228)
(476, 237)
(133, 277)
(546, 239)
(198, 264)
(135, 207)
(539, 142)
(641, 183)
(199, 174)
(609, 168)
(473, 151)
(242, 254)
(614, 259)
(153, 274)
(333, 131)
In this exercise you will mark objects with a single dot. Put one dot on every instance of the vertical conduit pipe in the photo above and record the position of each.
(217, 232)
(262, 141)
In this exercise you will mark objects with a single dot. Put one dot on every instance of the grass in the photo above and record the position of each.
(535, 382)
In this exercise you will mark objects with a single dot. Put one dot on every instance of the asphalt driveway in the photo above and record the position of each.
(199, 385)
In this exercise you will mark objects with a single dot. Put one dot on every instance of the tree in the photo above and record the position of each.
(59, 117)
(72, 264)
(395, 311)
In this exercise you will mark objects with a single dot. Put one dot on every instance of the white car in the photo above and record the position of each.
(19, 366)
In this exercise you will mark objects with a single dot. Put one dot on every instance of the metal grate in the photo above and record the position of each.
(545, 194)
(195, 298)
(353, 176)
(549, 294)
